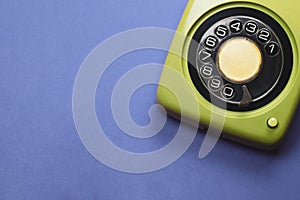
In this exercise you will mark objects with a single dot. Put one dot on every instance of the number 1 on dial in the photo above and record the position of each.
(272, 49)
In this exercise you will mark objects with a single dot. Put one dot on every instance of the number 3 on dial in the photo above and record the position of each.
(251, 28)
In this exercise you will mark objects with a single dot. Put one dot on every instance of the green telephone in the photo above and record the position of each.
(241, 60)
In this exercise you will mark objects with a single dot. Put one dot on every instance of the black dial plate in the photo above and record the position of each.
(252, 25)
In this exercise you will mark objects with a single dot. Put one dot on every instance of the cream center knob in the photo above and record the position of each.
(239, 60)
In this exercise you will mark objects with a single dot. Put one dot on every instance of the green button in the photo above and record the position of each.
(273, 122)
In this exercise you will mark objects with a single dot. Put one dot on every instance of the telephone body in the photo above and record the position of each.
(241, 60)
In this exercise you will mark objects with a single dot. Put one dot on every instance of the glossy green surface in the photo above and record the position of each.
(249, 127)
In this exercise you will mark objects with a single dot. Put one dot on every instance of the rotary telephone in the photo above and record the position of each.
(242, 63)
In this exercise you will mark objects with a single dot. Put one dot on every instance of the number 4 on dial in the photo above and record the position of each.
(236, 26)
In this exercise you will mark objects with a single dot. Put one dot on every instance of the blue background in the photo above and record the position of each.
(42, 45)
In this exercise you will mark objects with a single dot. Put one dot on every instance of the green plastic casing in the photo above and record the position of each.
(247, 127)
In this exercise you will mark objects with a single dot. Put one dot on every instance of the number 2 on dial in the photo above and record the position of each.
(264, 36)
